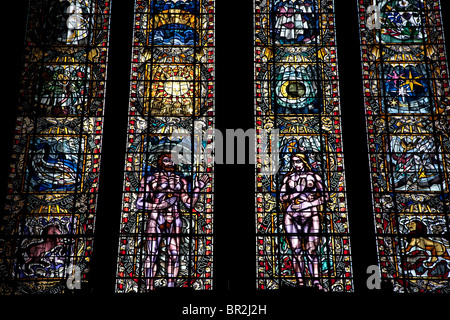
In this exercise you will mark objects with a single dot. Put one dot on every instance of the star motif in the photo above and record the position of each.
(394, 102)
(411, 81)
(403, 92)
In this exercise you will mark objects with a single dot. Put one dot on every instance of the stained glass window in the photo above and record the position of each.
(301, 219)
(166, 223)
(47, 231)
(406, 90)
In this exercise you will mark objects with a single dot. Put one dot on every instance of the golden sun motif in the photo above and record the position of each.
(172, 91)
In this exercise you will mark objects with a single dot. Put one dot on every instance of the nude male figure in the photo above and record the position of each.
(160, 195)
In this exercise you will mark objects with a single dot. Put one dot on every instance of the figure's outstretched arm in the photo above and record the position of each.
(199, 184)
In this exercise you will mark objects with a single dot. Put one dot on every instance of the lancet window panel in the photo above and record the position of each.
(301, 211)
(48, 226)
(166, 229)
(405, 77)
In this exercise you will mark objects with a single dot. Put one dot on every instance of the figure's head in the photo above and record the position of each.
(165, 162)
(299, 162)
(417, 227)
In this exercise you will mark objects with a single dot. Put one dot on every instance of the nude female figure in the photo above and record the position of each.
(302, 196)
